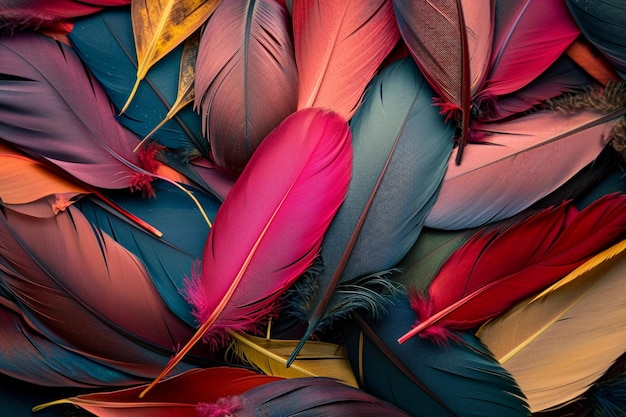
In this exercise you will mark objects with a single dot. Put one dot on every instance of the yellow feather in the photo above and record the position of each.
(315, 358)
(557, 343)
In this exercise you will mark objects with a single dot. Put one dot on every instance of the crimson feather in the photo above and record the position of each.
(339, 45)
(499, 267)
(52, 108)
(246, 77)
(294, 184)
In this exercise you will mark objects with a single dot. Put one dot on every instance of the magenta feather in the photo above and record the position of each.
(52, 108)
(269, 229)
(339, 46)
(246, 77)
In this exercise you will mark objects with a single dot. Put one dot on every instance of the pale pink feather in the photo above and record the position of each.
(339, 45)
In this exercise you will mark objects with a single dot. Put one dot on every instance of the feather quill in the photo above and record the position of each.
(515, 165)
(462, 380)
(160, 26)
(308, 161)
(246, 78)
(450, 41)
(52, 108)
(401, 146)
(573, 332)
(497, 268)
(339, 45)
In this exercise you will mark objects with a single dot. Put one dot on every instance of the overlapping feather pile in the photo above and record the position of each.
(312, 207)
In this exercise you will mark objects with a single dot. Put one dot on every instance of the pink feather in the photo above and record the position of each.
(339, 45)
(269, 229)
(246, 77)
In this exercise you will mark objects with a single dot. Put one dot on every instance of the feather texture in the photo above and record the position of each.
(455, 69)
(339, 45)
(316, 359)
(246, 77)
(401, 146)
(308, 161)
(496, 269)
(515, 166)
(575, 326)
(53, 109)
(303, 397)
(461, 380)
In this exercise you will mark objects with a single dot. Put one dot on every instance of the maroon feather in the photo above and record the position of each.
(499, 267)
(52, 108)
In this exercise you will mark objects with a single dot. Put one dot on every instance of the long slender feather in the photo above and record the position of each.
(52, 108)
(515, 165)
(461, 380)
(496, 269)
(401, 146)
(308, 161)
(246, 78)
(339, 45)
(450, 41)
(575, 326)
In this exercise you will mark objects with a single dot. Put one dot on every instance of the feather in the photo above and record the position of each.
(529, 36)
(53, 109)
(573, 329)
(401, 146)
(497, 268)
(592, 61)
(42, 14)
(601, 21)
(105, 293)
(316, 359)
(167, 259)
(515, 165)
(339, 45)
(455, 69)
(177, 396)
(104, 42)
(302, 397)
(461, 380)
(161, 26)
(246, 78)
(308, 161)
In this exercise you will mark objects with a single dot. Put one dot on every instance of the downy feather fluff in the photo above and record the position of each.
(400, 147)
(339, 46)
(558, 343)
(461, 380)
(499, 267)
(52, 108)
(294, 183)
(246, 77)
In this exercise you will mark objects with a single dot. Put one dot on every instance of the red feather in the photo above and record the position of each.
(246, 77)
(500, 267)
(339, 45)
(269, 229)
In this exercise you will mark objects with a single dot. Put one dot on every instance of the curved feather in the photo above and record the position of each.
(529, 36)
(601, 22)
(177, 396)
(160, 26)
(246, 77)
(450, 41)
(307, 160)
(496, 269)
(105, 293)
(460, 380)
(53, 109)
(339, 45)
(304, 397)
(104, 42)
(573, 329)
(515, 165)
(401, 146)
